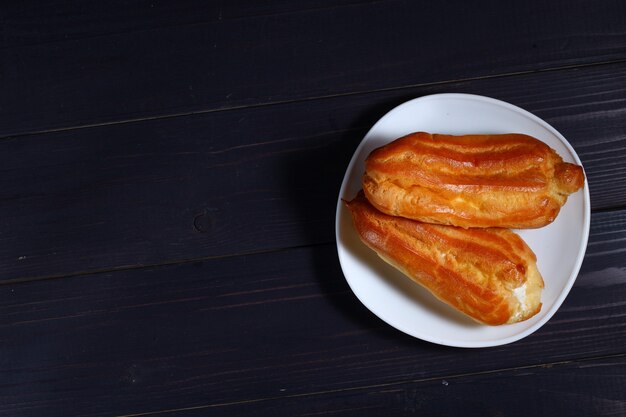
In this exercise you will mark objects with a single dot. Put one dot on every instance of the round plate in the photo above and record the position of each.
(560, 246)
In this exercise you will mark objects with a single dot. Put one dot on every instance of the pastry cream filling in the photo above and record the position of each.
(520, 294)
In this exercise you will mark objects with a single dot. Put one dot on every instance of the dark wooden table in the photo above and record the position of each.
(169, 176)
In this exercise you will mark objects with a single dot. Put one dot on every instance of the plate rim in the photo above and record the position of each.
(581, 250)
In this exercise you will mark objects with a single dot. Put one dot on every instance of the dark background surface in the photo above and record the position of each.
(168, 179)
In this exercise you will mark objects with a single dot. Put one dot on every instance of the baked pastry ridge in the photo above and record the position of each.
(488, 274)
(509, 180)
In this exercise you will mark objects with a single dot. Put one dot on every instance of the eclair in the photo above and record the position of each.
(488, 274)
(509, 180)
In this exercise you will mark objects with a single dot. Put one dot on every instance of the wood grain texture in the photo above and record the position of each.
(91, 65)
(592, 387)
(256, 327)
(168, 179)
(257, 179)
(32, 22)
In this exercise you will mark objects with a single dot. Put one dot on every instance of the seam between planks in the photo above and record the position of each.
(204, 258)
(159, 264)
(315, 98)
(383, 385)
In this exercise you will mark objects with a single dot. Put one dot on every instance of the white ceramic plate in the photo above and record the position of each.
(560, 246)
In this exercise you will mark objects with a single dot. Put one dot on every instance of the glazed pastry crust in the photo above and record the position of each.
(488, 274)
(509, 180)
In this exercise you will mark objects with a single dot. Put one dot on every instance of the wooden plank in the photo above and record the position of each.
(256, 179)
(257, 327)
(593, 387)
(32, 22)
(98, 77)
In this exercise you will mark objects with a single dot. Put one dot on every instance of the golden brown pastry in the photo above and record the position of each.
(510, 180)
(488, 274)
